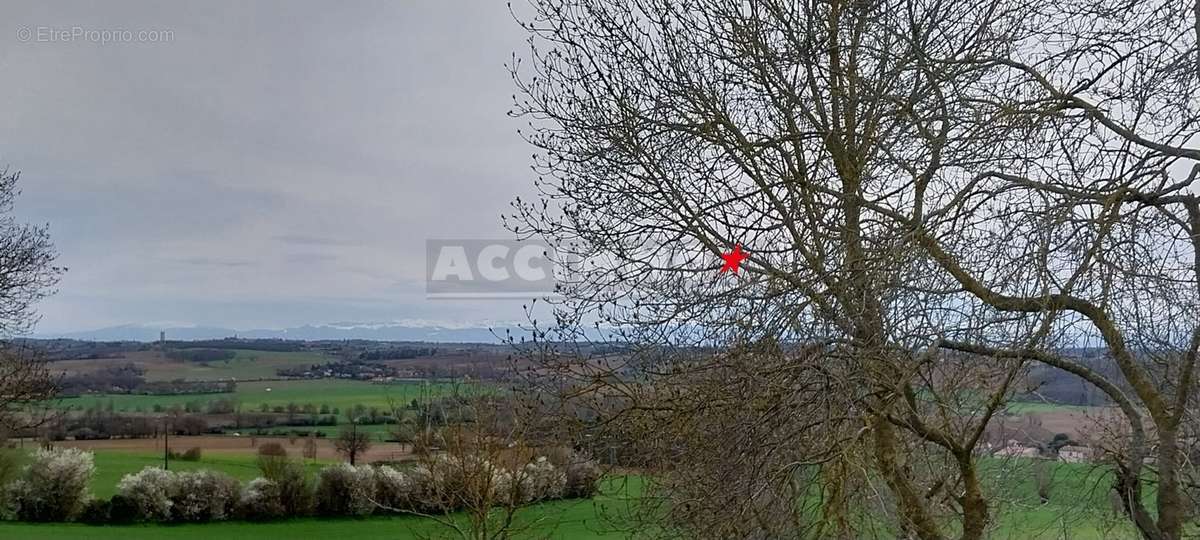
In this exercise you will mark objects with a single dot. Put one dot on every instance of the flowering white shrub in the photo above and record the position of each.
(150, 490)
(508, 488)
(583, 477)
(454, 482)
(541, 480)
(159, 495)
(443, 483)
(346, 490)
(447, 483)
(260, 500)
(423, 487)
(295, 489)
(203, 496)
(393, 489)
(54, 487)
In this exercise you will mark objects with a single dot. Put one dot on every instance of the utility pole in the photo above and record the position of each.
(353, 440)
(166, 445)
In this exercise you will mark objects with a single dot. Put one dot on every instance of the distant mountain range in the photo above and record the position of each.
(334, 331)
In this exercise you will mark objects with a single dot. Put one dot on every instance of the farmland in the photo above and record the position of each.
(249, 360)
(1077, 508)
(231, 450)
(245, 364)
(254, 394)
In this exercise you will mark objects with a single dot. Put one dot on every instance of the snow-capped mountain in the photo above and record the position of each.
(405, 330)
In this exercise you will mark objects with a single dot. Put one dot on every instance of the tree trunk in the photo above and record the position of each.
(908, 502)
(974, 505)
(1171, 511)
(1129, 487)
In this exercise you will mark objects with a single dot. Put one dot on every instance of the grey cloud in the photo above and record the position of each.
(306, 240)
(214, 178)
(202, 261)
(309, 258)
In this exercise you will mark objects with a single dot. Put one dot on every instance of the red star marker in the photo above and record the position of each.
(733, 259)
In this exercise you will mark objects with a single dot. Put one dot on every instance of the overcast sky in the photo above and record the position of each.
(271, 165)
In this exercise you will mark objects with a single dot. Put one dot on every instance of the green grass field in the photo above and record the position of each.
(1077, 509)
(1035, 407)
(337, 393)
(584, 519)
(245, 365)
(112, 465)
(1078, 506)
(574, 519)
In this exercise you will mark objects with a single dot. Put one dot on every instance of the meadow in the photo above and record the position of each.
(1077, 508)
(585, 519)
(574, 519)
(246, 364)
(1038, 407)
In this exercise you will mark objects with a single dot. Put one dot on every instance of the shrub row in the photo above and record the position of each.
(54, 487)
(157, 495)
(449, 483)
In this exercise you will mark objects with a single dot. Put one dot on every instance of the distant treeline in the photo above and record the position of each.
(201, 355)
(269, 345)
(397, 353)
(1049, 385)
(341, 370)
(181, 387)
(118, 379)
(69, 349)
(128, 379)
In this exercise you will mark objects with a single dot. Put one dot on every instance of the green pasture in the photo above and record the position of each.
(1038, 407)
(112, 465)
(246, 364)
(597, 518)
(1078, 508)
(336, 393)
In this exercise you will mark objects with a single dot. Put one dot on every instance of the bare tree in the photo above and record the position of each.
(27, 271)
(351, 442)
(480, 474)
(310, 445)
(1102, 227)
(672, 132)
(933, 196)
(27, 274)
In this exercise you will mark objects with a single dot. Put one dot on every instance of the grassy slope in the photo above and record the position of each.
(1078, 507)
